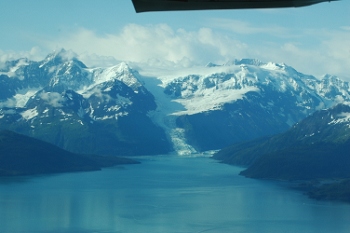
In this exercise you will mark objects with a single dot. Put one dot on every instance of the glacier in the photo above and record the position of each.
(199, 108)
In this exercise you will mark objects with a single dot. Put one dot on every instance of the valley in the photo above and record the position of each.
(279, 123)
(147, 110)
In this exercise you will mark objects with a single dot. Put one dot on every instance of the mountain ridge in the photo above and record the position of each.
(313, 155)
(81, 110)
(187, 110)
(35, 157)
(305, 151)
(247, 101)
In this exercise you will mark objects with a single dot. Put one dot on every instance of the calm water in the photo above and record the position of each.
(163, 194)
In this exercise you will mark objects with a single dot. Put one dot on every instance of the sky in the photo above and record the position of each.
(314, 40)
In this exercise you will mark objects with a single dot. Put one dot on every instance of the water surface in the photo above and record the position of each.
(163, 194)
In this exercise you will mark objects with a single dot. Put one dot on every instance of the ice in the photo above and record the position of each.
(163, 116)
(22, 96)
(341, 118)
(30, 113)
(209, 100)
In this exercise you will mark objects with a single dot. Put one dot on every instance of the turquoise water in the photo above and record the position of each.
(163, 194)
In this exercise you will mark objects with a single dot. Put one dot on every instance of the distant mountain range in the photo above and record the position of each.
(61, 101)
(249, 99)
(121, 110)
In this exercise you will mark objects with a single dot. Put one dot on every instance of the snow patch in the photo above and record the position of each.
(13, 70)
(210, 99)
(120, 72)
(341, 118)
(22, 96)
(103, 118)
(30, 113)
(120, 114)
(113, 108)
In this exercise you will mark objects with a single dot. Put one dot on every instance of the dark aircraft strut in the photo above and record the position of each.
(180, 5)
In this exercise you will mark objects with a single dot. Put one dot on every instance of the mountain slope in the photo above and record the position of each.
(101, 110)
(243, 100)
(22, 155)
(303, 162)
(315, 148)
(119, 110)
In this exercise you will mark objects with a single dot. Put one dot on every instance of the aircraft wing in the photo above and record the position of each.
(179, 5)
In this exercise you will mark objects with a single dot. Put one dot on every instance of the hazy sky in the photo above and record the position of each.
(314, 40)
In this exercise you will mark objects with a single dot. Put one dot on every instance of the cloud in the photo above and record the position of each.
(9, 103)
(34, 53)
(346, 28)
(53, 98)
(243, 27)
(95, 60)
(140, 43)
(311, 51)
(67, 55)
(330, 53)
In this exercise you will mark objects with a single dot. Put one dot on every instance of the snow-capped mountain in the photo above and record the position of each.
(245, 99)
(60, 100)
(148, 110)
(315, 148)
(324, 128)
